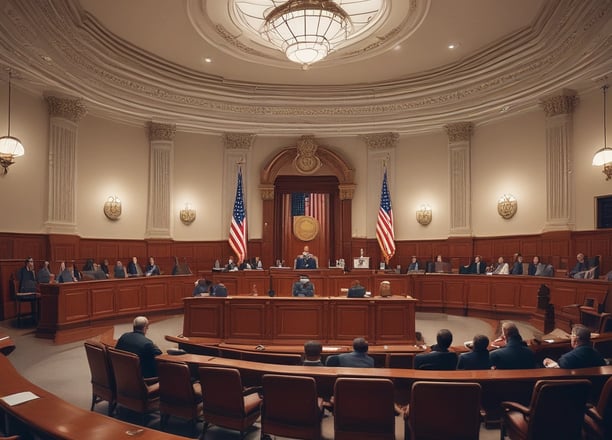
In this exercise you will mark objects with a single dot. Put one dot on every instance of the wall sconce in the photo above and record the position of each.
(423, 215)
(187, 214)
(507, 206)
(112, 208)
(10, 147)
(603, 156)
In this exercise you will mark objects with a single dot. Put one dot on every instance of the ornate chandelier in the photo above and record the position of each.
(10, 146)
(604, 155)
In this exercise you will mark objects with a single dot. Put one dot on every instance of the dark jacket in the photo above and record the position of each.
(583, 356)
(436, 360)
(514, 356)
(474, 360)
(139, 344)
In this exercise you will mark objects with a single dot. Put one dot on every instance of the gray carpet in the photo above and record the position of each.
(63, 369)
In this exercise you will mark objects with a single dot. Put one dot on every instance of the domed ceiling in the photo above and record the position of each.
(194, 63)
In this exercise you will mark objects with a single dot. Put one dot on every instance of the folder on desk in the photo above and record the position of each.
(18, 398)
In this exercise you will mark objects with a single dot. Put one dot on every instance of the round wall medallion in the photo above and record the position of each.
(305, 227)
(112, 208)
(507, 206)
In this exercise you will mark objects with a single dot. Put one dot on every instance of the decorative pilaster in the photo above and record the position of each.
(64, 115)
(559, 142)
(381, 141)
(161, 161)
(460, 172)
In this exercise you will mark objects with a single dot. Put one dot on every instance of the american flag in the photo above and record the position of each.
(384, 224)
(238, 229)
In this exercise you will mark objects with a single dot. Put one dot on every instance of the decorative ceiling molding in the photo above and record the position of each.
(71, 109)
(238, 141)
(67, 50)
(563, 104)
(161, 132)
(381, 141)
(459, 132)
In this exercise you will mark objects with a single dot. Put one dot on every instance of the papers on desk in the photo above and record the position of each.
(18, 398)
(332, 348)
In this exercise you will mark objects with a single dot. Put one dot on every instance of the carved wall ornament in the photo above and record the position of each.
(112, 208)
(306, 161)
(507, 206)
(459, 132)
(187, 214)
(71, 109)
(347, 191)
(563, 104)
(161, 132)
(267, 192)
(424, 215)
(238, 141)
(381, 141)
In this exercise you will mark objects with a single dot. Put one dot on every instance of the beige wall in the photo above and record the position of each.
(113, 159)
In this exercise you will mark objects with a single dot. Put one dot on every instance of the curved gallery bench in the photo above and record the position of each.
(497, 385)
(48, 416)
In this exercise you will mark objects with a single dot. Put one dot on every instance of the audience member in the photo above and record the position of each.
(104, 267)
(119, 271)
(440, 358)
(581, 267)
(27, 277)
(180, 269)
(312, 354)
(582, 355)
(306, 260)
(303, 287)
(66, 274)
(478, 357)
(219, 290)
(517, 266)
(501, 268)
(231, 265)
(134, 269)
(477, 266)
(535, 267)
(89, 265)
(75, 272)
(357, 358)
(202, 287)
(44, 274)
(515, 354)
(414, 264)
(151, 268)
(356, 290)
(136, 342)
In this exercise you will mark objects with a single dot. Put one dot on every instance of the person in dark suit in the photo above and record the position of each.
(219, 290)
(312, 354)
(151, 268)
(440, 358)
(477, 266)
(136, 342)
(303, 287)
(27, 277)
(133, 268)
(414, 264)
(582, 265)
(202, 287)
(44, 274)
(478, 358)
(356, 290)
(515, 355)
(305, 260)
(517, 266)
(583, 355)
(357, 358)
(119, 270)
(231, 265)
(535, 267)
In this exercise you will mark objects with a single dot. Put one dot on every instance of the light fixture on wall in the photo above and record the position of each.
(603, 156)
(10, 146)
(187, 214)
(507, 206)
(112, 207)
(423, 214)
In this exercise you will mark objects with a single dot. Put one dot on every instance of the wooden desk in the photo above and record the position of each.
(51, 417)
(6, 344)
(265, 320)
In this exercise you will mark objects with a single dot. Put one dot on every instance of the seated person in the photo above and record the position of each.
(66, 274)
(582, 355)
(312, 354)
(134, 269)
(441, 266)
(89, 265)
(356, 290)
(303, 287)
(306, 260)
(502, 268)
(476, 267)
(517, 266)
(180, 269)
(44, 274)
(151, 268)
(231, 265)
(219, 290)
(385, 289)
(357, 358)
(202, 287)
(515, 354)
(27, 277)
(536, 268)
(104, 267)
(478, 358)
(119, 270)
(414, 264)
(581, 267)
(440, 358)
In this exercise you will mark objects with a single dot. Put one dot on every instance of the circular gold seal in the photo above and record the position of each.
(305, 227)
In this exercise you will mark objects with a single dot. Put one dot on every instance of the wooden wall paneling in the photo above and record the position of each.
(429, 290)
(8, 268)
(103, 300)
(128, 297)
(528, 248)
(478, 293)
(155, 295)
(528, 294)
(204, 317)
(299, 320)
(159, 248)
(393, 324)
(246, 321)
(64, 247)
(454, 295)
(74, 305)
(505, 296)
(352, 319)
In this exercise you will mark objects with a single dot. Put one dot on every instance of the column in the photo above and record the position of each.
(161, 164)
(559, 139)
(460, 173)
(64, 115)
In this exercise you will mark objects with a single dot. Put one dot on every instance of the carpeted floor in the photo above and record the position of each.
(63, 369)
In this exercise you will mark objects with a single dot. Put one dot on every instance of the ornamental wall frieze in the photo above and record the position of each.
(459, 132)
(561, 104)
(306, 160)
(238, 141)
(235, 42)
(267, 192)
(71, 109)
(346, 191)
(161, 132)
(381, 141)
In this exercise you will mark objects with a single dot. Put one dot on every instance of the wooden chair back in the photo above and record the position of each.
(178, 396)
(102, 378)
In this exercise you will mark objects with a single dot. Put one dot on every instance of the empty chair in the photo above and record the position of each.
(224, 402)
(178, 396)
(556, 411)
(443, 410)
(598, 419)
(363, 409)
(32, 298)
(103, 386)
(291, 407)
(133, 391)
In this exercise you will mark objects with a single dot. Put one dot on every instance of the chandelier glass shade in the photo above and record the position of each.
(603, 156)
(10, 146)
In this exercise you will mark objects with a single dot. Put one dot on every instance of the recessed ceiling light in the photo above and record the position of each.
(452, 46)
(208, 60)
(505, 109)
(398, 47)
(46, 58)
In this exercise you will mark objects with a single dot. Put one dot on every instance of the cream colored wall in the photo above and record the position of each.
(113, 159)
